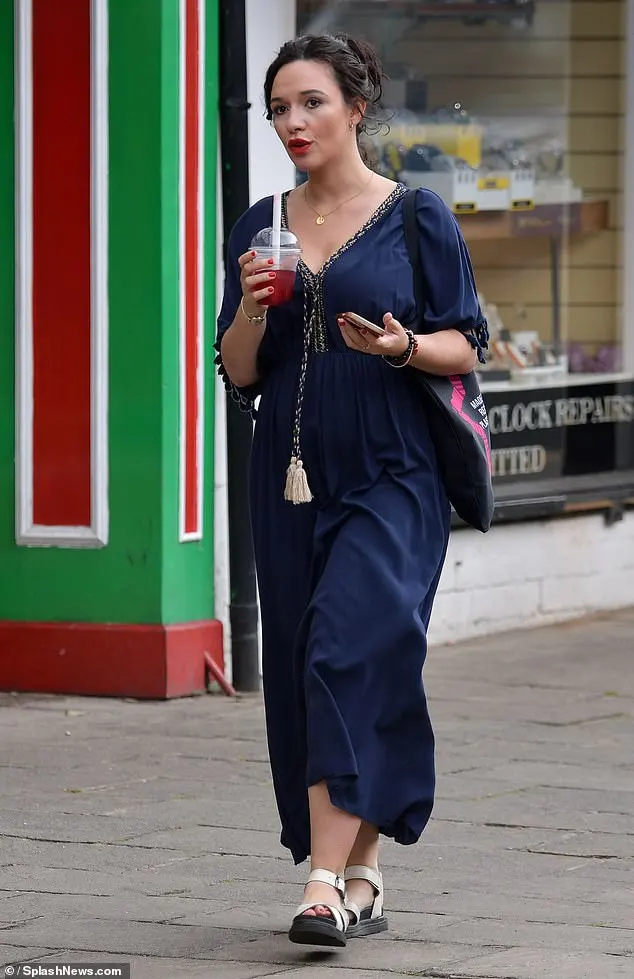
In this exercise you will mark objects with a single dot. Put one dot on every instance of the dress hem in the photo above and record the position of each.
(399, 831)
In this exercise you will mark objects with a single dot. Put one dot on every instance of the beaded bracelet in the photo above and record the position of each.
(404, 359)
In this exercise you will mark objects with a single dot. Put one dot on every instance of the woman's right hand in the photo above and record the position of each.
(255, 278)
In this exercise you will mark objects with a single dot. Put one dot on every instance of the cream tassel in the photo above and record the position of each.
(297, 489)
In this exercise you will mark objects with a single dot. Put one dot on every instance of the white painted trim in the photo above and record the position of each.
(220, 516)
(99, 311)
(41, 535)
(627, 323)
(182, 345)
(196, 535)
(24, 271)
(200, 378)
(28, 533)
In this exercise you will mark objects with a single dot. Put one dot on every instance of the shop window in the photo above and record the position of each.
(513, 111)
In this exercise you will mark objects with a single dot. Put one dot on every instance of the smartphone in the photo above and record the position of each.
(360, 323)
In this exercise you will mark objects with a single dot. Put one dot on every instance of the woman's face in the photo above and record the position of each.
(310, 114)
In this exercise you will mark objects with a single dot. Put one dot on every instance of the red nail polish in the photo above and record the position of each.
(253, 254)
(271, 261)
(271, 275)
(271, 289)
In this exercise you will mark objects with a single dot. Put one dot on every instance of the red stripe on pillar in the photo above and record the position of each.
(61, 263)
(192, 272)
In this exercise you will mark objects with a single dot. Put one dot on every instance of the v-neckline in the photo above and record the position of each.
(373, 219)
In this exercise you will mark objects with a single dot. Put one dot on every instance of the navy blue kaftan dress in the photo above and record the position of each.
(347, 582)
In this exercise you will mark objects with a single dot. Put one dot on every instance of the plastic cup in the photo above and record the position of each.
(284, 265)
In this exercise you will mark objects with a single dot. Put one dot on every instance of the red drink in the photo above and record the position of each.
(283, 256)
(283, 285)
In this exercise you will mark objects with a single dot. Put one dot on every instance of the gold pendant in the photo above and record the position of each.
(320, 219)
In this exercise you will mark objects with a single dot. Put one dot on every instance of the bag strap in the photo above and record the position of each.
(412, 236)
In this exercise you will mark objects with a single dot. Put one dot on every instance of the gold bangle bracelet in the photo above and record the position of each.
(259, 319)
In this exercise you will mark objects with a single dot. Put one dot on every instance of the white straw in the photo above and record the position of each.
(277, 226)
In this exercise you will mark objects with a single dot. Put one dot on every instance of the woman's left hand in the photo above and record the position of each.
(393, 343)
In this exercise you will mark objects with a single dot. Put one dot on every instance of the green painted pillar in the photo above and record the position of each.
(108, 121)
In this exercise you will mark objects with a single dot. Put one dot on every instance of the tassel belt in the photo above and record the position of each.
(297, 489)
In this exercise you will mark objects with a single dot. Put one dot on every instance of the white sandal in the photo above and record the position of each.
(370, 920)
(318, 929)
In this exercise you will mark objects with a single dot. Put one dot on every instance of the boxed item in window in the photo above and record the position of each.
(510, 156)
(494, 192)
(425, 165)
(457, 188)
(522, 189)
(504, 190)
(557, 190)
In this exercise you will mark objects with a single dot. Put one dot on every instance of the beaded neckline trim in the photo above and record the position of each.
(375, 217)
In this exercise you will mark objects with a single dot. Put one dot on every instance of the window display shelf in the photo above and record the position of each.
(544, 220)
(569, 381)
(552, 221)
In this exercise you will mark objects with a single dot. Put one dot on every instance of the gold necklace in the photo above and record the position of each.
(321, 218)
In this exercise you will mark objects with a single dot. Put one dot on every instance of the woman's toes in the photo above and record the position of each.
(317, 892)
(318, 911)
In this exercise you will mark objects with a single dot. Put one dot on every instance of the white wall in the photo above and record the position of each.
(530, 574)
(269, 24)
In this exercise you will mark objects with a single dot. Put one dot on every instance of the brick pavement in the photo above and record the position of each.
(146, 832)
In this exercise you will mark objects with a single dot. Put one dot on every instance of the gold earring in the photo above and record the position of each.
(351, 125)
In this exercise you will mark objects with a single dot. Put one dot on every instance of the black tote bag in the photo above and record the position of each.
(458, 420)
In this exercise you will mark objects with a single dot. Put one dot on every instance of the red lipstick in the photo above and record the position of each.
(299, 146)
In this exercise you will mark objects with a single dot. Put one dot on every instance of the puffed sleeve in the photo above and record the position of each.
(450, 289)
(238, 244)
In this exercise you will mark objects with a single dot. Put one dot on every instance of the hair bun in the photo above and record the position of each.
(368, 57)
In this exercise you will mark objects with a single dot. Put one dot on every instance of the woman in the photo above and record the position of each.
(347, 579)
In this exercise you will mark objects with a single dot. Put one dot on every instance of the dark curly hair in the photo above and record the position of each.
(355, 65)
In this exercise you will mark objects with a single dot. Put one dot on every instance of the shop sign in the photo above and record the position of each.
(572, 430)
